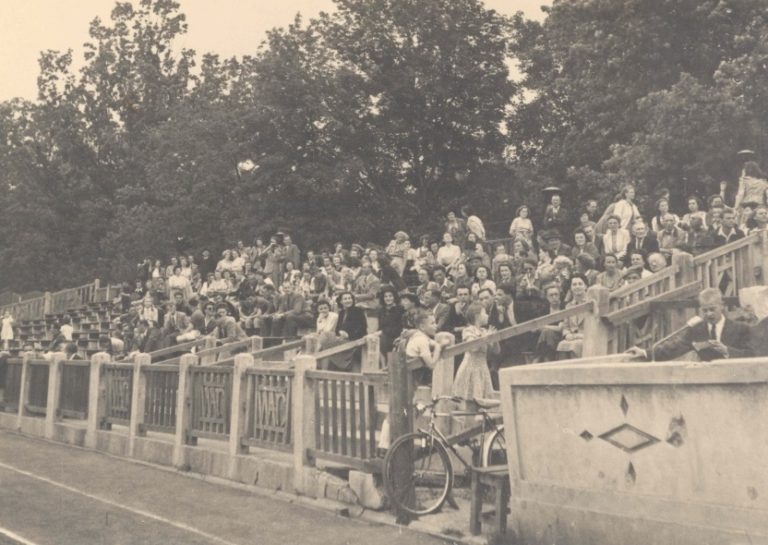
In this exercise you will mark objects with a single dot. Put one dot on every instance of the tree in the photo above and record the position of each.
(589, 64)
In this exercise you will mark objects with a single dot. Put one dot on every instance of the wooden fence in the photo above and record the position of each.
(162, 384)
(211, 401)
(345, 417)
(74, 388)
(118, 378)
(268, 401)
(12, 390)
(61, 301)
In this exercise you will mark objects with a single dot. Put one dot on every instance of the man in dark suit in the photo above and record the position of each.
(435, 307)
(457, 319)
(712, 336)
(641, 240)
(147, 338)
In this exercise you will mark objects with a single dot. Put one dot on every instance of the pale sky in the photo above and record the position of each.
(226, 27)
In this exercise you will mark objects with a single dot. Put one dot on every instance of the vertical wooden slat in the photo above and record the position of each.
(363, 427)
(343, 416)
(318, 413)
(372, 421)
(334, 415)
(326, 419)
(352, 420)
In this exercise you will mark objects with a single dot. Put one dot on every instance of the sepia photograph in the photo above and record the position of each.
(374, 272)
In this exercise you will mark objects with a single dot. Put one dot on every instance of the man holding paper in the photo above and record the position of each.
(711, 335)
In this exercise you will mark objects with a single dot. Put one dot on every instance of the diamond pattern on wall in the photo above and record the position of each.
(628, 438)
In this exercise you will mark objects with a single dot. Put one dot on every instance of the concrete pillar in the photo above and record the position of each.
(184, 410)
(138, 400)
(23, 389)
(97, 398)
(303, 413)
(54, 393)
(238, 419)
(597, 333)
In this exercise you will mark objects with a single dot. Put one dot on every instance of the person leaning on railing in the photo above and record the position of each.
(711, 335)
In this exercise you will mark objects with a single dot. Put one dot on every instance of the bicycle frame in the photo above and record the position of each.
(449, 441)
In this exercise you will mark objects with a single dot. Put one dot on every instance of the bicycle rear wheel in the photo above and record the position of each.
(495, 448)
(423, 488)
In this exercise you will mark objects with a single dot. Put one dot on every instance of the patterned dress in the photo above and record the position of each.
(473, 378)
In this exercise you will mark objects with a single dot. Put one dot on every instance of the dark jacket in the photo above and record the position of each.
(352, 321)
(648, 245)
(735, 336)
(391, 325)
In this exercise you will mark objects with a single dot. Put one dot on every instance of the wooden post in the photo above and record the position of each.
(303, 413)
(138, 399)
(184, 410)
(257, 343)
(311, 344)
(762, 260)
(208, 359)
(97, 398)
(371, 355)
(597, 334)
(442, 374)
(23, 388)
(238, 420)
(686, 273)
(47, 303)
(401, 423)
(54, 393)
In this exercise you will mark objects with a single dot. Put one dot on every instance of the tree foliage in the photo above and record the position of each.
(379, 116)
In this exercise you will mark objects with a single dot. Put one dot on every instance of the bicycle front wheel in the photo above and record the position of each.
(495, 449)
(418, 475)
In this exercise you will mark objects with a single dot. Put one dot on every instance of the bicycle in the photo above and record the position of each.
(421, 463)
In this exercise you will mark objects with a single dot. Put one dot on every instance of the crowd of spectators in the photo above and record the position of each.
(456, 280)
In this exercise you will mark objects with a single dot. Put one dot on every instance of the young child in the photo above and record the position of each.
(473, 379)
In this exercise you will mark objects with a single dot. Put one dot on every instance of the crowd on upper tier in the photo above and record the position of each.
(457, 280)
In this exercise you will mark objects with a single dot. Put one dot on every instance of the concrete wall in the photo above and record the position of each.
(625, 453)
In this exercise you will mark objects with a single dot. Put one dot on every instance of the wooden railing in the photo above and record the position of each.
(365, 349)
(345, 417)
(74, 388)
(118, 378)
(645, 288)
(162, 383)
(268, 408)
(61, 301)
(211, 389)
(37, 399)
(12, 391)
(733, 266)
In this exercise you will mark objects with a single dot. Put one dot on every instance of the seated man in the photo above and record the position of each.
(712, 336)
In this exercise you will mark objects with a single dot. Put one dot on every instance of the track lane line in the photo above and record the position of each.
(140, 512)
(13, 536)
